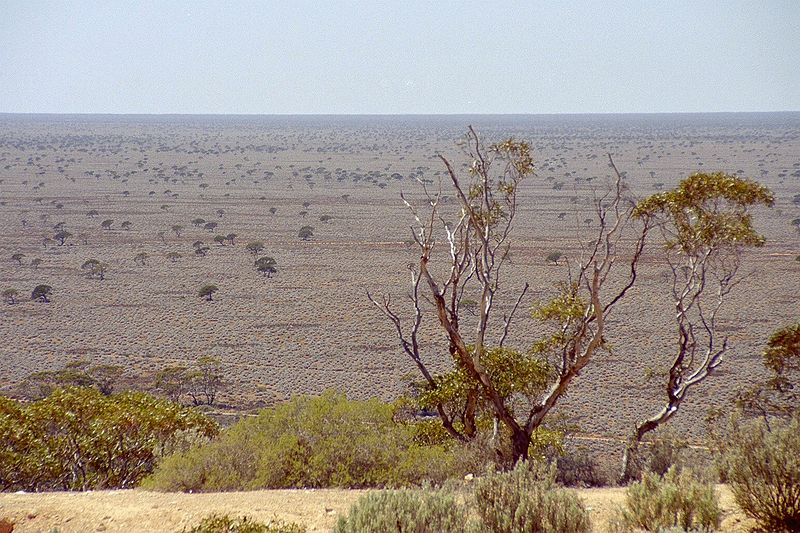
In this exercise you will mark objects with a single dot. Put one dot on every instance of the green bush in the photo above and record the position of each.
(411, 511)
(324, 441)
(762, 465)
(676, 500)
(527, 499)
(78, 439)
(226, 524)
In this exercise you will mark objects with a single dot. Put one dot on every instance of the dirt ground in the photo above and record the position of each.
(126, 511)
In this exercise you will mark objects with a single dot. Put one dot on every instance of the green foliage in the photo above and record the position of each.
(527, 499)
(676, 500)
(225, 524)
(511, 371)
(254, 247)
(306, 233)
(266, 265)
(78, 439)
(761, 462)
(324, 441)
(42, 293)
(782, 356)
(411, 511)
(207, 291)
(95, 268)
(709, 210)
(10, 295)
(553, 257)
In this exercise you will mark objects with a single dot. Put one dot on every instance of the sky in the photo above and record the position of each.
(399, 57)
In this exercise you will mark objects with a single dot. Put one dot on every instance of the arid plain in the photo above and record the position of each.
(310, 326)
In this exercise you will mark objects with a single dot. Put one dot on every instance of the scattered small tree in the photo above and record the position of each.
(106, 224)
(255, 247)
(198, 222)
(173, 256)
(62, 237)
(554, 257)
(306, 233)
(141, 258)
(177, 229)
(207, 291)
(126, 225)
(266, 265)
(18, 257)
(95, 269)
(10, 296)
(42, 293)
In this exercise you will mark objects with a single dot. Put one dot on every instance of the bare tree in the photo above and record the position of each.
(705, 224)
(477, 246)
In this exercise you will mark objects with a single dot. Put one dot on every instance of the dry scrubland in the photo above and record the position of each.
(122, 511)
(311, 327)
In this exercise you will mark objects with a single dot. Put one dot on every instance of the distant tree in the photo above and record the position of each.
(273, 210)
(325, 218)
(93, 213)
(83, 237)
(177, 229)
(162, 237)
(172, 382)
(35, 262)
(267, 266)
(42, 293)
(202, 251)
(207, 291)
(141, 258)
(210, 226)
(219, 239)
(62, 237)
(205, 380)
(46, 241)
(10, 296)
(553, 257)
(197, 244)
(106, 224)
(18, 257)
(126, 225)
(173, 256)
(254, 247)
(306, 204)
(95, 269)
(230, 237)
(106, 377)
(303, 213)
(220, 212)
(306, 233)
(198, 222)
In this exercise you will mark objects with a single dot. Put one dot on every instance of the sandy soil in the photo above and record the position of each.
(140, 511)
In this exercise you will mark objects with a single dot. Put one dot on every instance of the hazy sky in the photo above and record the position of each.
(403, 56)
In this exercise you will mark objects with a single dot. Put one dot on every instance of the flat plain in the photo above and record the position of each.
(310, 326)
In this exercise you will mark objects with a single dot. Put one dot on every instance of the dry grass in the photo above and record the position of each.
(124, 511)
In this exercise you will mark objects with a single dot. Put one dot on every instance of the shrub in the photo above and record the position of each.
(79, 438)
(225, 524)
(324, 441)
(413, 511)
(762, 464)
(676, 500)
(578, 469)
(527, 499)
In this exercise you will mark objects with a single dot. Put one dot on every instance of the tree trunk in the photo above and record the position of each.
(520, 442)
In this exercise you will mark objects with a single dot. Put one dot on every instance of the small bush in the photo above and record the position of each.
(324, 441)
(666, 451)
(78, 439)
(762, 465)
(226, 524)
(676, 500)
(578, 469)
(412, 511)
(527, 499)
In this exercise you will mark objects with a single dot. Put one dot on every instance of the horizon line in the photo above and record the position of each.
(5, 113)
